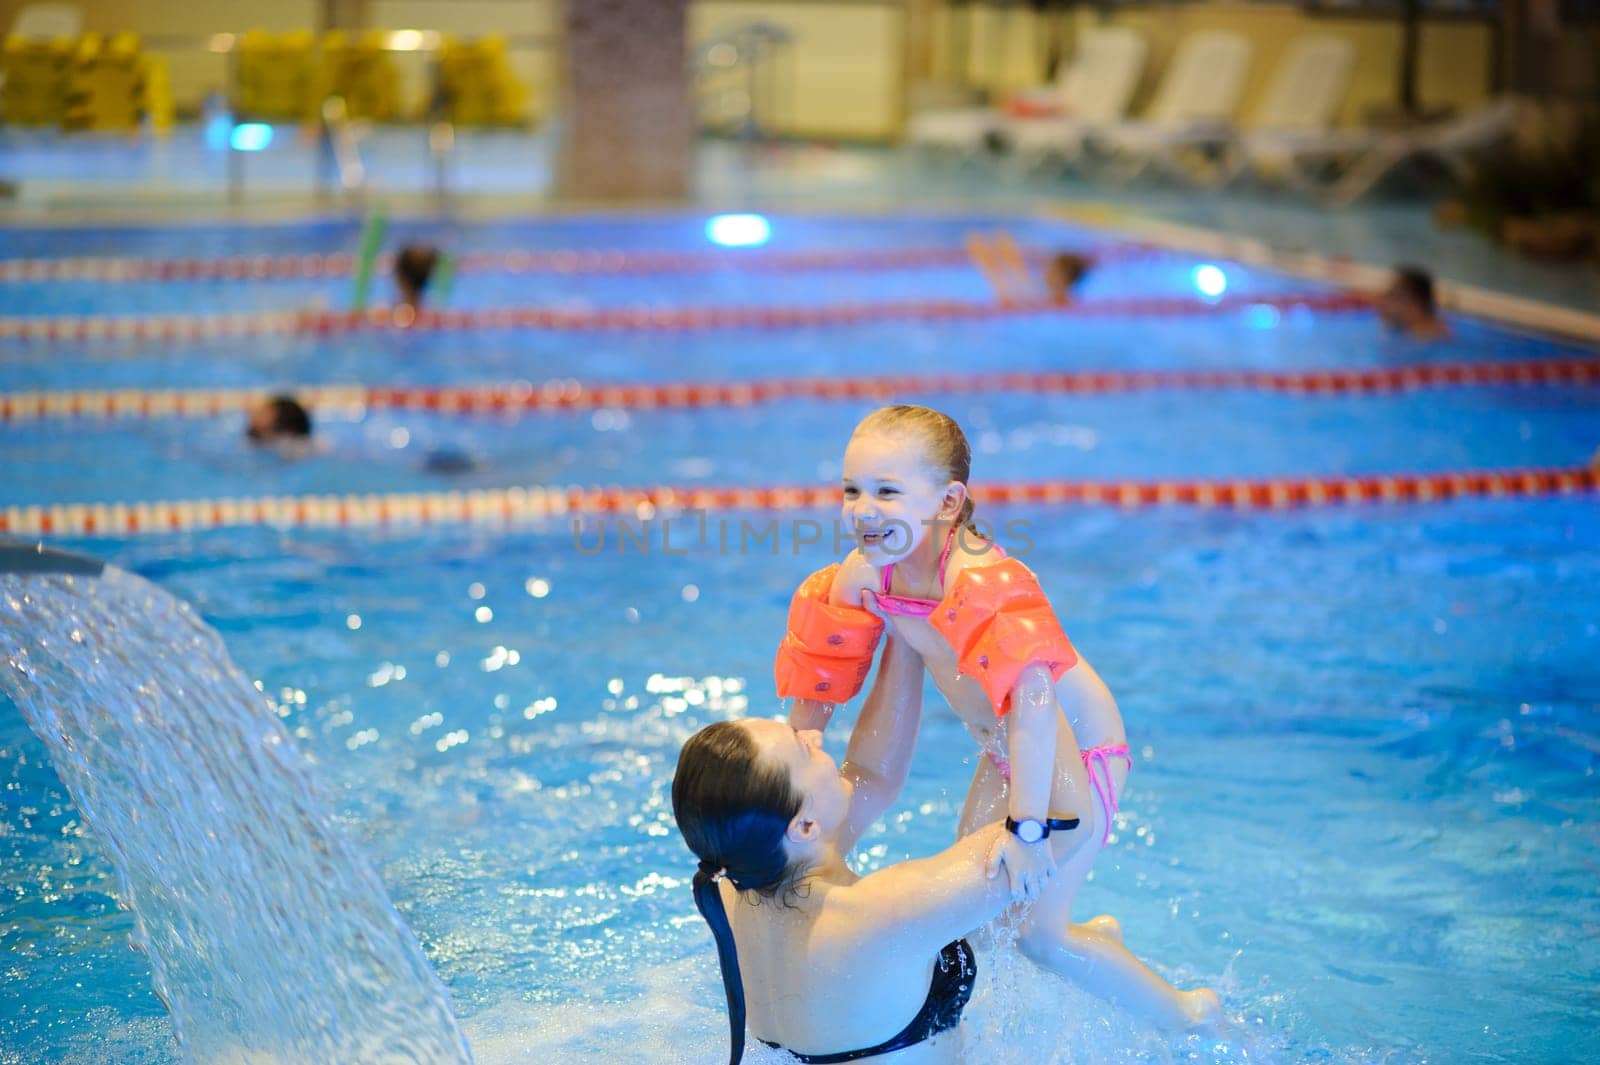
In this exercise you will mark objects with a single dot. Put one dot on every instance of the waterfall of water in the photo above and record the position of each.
(270, 937)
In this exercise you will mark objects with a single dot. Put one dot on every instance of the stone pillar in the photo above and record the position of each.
(346, 15)
(627, 119)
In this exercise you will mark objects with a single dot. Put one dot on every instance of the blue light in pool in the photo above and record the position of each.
(250, 136)
(1209, 280)
(1263, 316)
(738, 230)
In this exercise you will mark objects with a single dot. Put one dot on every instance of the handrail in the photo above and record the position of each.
(339, 143)
(751, 49)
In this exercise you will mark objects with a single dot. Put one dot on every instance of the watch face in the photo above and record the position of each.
(1030, 831)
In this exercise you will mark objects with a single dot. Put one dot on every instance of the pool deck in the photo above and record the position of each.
(101, 181)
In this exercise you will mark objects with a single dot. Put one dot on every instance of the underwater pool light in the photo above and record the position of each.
(250, 136)
(1263, 316)
(1209, 280)
(738, 230)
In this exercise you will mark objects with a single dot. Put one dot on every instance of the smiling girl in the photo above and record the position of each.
(991, 642)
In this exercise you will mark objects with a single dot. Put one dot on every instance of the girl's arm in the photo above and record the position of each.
(855, 575)
(1031, 748)
(879, 755)
(807, 714)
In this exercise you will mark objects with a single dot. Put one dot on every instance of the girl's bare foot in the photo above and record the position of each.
(1203, 1009)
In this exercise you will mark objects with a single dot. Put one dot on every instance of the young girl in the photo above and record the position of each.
(995, 650)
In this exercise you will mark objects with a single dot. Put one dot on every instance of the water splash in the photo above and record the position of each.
(269, 936)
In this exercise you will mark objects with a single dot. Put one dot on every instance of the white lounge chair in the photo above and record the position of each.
(1095, 86)
(1197, 98)
(1340, 166)
(1095, 90)
(1301, 104)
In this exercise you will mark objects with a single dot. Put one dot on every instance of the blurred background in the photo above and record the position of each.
(1487, 107)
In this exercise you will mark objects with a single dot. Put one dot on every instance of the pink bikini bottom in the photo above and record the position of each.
(1095, 763)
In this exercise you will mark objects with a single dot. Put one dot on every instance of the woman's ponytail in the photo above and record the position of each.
(733, 811)
(708, 900)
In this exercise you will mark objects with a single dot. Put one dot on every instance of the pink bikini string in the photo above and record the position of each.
(1095, 763)
(909, 605)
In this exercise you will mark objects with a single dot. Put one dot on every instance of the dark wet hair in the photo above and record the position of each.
(1071, 266)
(1417, 284)
(289, 418)
(944, 444)
(734, 810)
(414, 266)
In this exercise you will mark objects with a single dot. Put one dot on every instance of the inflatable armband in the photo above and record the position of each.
(999, 622)
(827, 652)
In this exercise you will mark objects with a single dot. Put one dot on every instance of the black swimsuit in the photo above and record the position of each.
(947, 997)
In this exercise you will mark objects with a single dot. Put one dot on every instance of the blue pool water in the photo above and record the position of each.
(1364, 801)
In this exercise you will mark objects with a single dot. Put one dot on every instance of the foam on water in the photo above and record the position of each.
(1018, 1016)
(269, 936)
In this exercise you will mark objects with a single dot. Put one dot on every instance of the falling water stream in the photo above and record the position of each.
(270, 937)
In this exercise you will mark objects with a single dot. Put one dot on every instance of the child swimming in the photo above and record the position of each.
(991, 642)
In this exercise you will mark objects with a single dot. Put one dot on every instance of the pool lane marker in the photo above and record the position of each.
(521, 397)
(171, 328)
(560, 261)
(510, 506)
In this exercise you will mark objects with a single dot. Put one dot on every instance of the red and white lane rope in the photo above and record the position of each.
(513, 505)
(181, 327)
(519, 397)
(569, 261)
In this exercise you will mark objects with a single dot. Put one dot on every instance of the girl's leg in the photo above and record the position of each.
(1098, 962)
(1092, 956)
(986, 799)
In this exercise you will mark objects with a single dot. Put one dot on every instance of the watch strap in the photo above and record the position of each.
(1051, 824)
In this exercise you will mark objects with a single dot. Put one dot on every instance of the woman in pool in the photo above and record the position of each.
(998, 655)
(1003, 266)
(831, 965)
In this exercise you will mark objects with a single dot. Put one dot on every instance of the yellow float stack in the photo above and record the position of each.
(478, 86)
(276, 77)
(363, 73)
(105, 84)
(156, 99)
(34, 92)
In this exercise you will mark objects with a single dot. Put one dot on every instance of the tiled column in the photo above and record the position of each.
(628, 126)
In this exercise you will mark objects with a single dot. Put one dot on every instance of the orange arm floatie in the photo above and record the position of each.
(999, 622)
(827, 652)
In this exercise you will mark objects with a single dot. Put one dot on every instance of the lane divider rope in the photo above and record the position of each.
(184, 327)
(519, 397)
(566, 261)
(514, 505)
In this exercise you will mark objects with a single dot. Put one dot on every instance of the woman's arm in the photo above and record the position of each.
(924, 904)
(879, 755)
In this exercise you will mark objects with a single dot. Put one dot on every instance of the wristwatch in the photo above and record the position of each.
(1032, 830)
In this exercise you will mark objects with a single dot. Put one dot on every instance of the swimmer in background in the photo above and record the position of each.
(1003, 266)
(281, 422)
(414, 267)
(1407, 305)
(994, 648)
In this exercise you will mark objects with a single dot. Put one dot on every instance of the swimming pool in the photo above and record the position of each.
(1365, 737)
